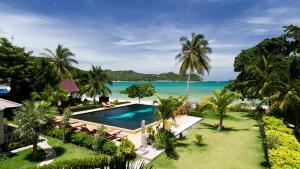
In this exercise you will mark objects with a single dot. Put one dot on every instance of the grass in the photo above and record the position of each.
(239, 145)
(22, 159)
(65, 151)
(68, 151)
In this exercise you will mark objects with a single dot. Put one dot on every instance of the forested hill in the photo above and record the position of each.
(134, 76)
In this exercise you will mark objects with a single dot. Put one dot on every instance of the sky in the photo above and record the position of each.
(143, 35)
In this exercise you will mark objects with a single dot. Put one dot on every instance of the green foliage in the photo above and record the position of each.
(165, 139)
(99, 140)
(82, 139)
(193, 56)
(167, 110)
(150, 135)
(24, 72)
(95, 83)
(220, 102)
(139, 90)
(199, 139)
(99, 161)
(54, 95)
(78, 138)
(15, 144)
(282, 146)
(85, 107)
(126, 149)
(62, 59)
(32, 119)
(65, 122)
(109, 148)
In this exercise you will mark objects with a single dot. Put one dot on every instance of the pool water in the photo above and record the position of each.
(128, 117)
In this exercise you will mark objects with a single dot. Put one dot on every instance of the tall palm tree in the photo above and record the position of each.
(96, 83)
(166, 110)
(221, 101)
(62, 59)
(32, 118)
(193, 56)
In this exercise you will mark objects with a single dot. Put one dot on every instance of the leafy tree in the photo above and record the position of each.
(220, 102)
(55, 96)
(139, 91)
(167, 110)
(266, 74)
(193, 56)
(96, 83)
(31, 119)
(62, 59)
(24, 72)
(65, 122)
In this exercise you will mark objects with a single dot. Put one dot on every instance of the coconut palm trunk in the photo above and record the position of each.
(188, 85)
(34, 147)
(221, 122)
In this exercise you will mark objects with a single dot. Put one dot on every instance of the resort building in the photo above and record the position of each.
(5, 104)
(70, 86)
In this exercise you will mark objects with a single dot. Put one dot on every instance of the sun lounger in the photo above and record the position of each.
(109, 104)
(105, 105)
(121, 136)
(111, 134)
(77, 125)
(87, 130)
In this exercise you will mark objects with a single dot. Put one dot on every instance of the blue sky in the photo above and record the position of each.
(143, 35)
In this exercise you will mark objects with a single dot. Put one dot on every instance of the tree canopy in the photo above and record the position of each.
(139, 90)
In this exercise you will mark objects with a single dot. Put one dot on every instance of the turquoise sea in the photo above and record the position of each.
(164, 89)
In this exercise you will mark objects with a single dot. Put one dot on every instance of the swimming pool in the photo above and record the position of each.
(128, 117)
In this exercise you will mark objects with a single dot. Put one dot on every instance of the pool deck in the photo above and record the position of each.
(183, 122)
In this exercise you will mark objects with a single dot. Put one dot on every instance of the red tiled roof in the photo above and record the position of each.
(69, 85)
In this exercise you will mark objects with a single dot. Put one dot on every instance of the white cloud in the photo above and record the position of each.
(132, 43)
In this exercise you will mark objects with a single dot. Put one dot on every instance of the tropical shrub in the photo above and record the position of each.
(150, 135)
(85, 107)
(126, 149)
(109, 148)
(165, 140)
(78, 138)
(99, 140)
(82, 139)
(199, 139)
(15, 144)
(282, 146)
(99, 161)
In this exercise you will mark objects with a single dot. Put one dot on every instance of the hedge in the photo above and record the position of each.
(78, 138)
(283, 148)
(85, 107)
(99, 161)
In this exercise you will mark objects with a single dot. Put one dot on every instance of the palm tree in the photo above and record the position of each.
(166, 110)
(32, 118)
(62, 60)
(96, 83)
(65, 122)
(220, 102)
(266, 76)
(193, 56)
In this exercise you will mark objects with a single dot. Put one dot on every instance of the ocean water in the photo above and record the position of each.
(165, 89)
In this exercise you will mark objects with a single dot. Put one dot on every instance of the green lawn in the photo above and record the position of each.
(63, 152)
(238, 146)
(22, 159)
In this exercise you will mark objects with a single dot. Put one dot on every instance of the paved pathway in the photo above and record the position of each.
(50, 152)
